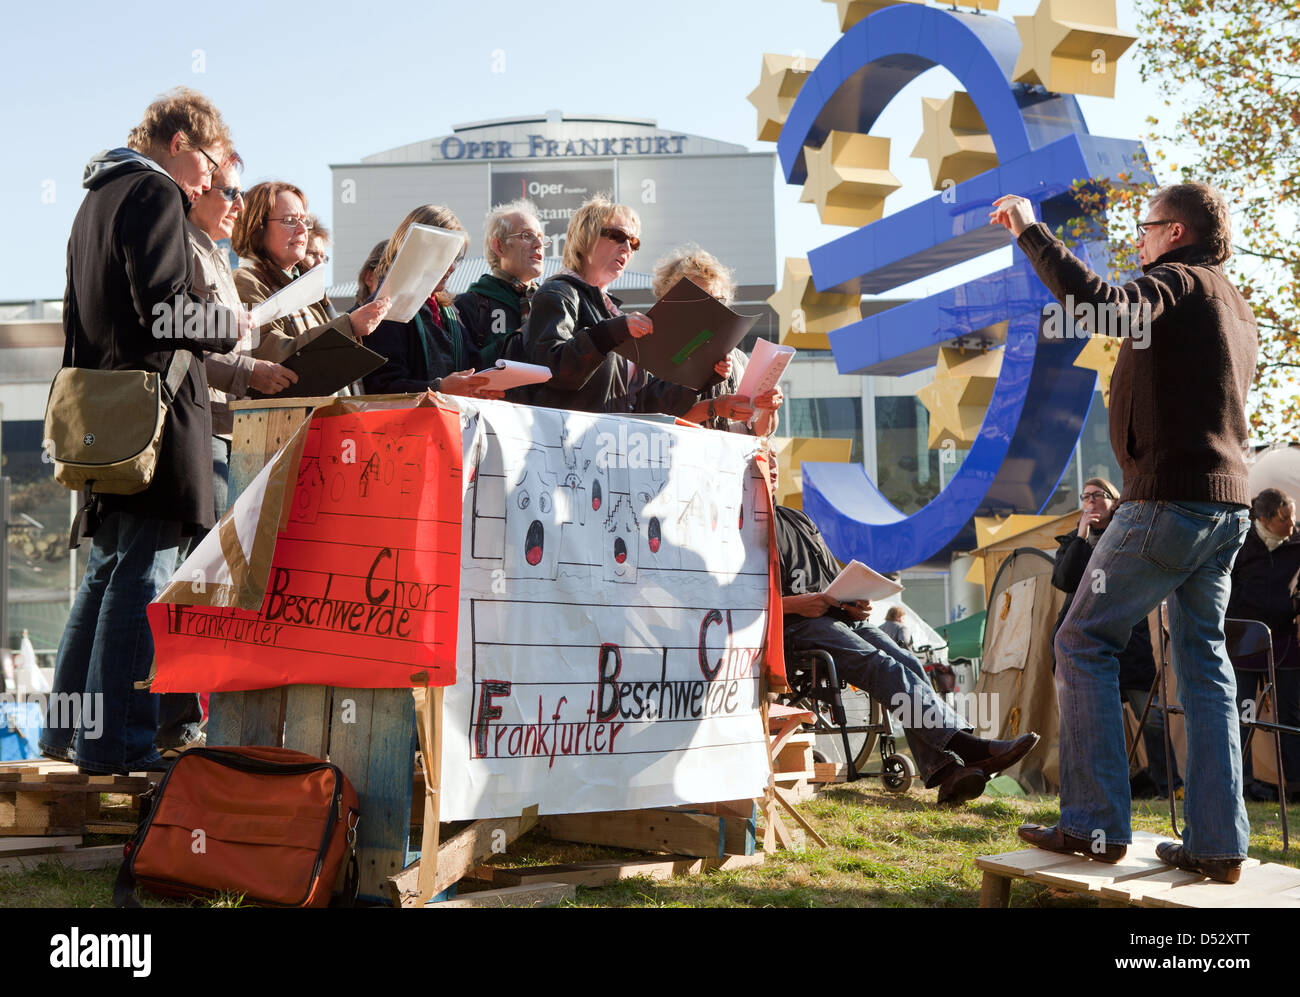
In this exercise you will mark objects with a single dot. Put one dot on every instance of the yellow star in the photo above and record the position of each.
(959, 395)
(1100, 353)
(954, 140)
(853, 11)
(805, 316)
(849, 178)
(777, 88)
(1071, 46)
(990, 529)
(790, 455)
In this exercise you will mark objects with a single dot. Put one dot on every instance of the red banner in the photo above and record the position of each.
(364, 584)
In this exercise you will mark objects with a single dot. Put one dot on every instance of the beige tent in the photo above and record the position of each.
(1016, 691)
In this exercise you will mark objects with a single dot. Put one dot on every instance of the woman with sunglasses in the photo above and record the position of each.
(574, 325)
(432, 351)
(270, 237)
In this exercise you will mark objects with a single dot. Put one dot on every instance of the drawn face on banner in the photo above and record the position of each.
(535, 508)
(621, 546)
(659, 546)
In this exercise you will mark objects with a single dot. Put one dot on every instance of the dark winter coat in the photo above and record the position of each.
(129, 267)
(571, 330)
(1261, 590)
(419, 353)
(491, 311)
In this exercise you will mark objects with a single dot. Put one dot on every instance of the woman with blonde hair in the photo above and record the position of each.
(430, 352)
(720, 406)
(271, 237)
(574, 324)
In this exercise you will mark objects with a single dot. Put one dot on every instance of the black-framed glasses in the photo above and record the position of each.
(213, 166)
(1091, 496)
(618, 235)
(531, 238)
(1143, 226)
(231, 194)
(293, 221)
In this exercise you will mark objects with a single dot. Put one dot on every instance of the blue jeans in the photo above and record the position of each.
(1152, 550)
(179, 713)
(107, 647)
(867, 658)
(1153, 739)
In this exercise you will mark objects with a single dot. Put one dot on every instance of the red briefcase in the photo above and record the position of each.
(271, 824)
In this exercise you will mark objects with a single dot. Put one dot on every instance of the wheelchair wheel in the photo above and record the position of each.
(859, 711)
(897, 773)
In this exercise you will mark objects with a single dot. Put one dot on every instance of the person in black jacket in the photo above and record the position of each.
(574, 325)
(431, 351)
(1137, 667)
(1263, 589)
(129, 305)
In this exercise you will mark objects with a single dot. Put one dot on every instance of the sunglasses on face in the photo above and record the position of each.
(618, 235)
(231, 194)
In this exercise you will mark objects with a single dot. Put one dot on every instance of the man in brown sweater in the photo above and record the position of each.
(1178, 429)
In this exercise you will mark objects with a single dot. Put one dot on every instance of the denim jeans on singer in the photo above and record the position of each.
(1183, 550)
(107, 646)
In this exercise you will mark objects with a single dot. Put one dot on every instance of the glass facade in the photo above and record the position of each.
(826, 418)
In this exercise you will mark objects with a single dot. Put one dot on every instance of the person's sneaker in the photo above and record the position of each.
(1220, 870)
(200, 740)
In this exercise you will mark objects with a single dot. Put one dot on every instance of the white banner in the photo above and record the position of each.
(613, 605)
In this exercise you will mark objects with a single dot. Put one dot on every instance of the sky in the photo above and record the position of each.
(305, 85)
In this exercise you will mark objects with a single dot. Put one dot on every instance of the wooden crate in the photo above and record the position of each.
(54, 799)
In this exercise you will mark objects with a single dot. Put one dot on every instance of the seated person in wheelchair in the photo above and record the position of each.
(947, 754)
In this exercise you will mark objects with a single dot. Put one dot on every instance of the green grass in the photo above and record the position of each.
(884, 851)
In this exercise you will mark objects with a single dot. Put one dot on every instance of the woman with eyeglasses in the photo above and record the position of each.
(270, 237)
(574, 325)
(431, 352)
(1137, 667)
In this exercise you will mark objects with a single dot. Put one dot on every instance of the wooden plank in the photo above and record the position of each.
(46, 814)
(307, 718)
(603, 871)
(349, 749)
(829, 772)
(98, 857)
(263, 721)
(789, 804)
(390, 768)
(225, 718)
(428, 728)
(1138, 889)
(1023, 862)
(1256, 883)
(38, 843)
(124, 828)
(532, 895)
(646, 830)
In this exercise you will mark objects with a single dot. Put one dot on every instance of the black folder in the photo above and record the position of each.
(329, 362)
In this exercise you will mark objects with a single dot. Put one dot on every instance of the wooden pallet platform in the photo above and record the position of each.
(45, 798)
(1139, 880)
(601, 872)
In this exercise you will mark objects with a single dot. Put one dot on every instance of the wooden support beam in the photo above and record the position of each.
(784, 799)
(98, 857)
(645, 830)
(459, 854)
(532, 895)
(603, 871)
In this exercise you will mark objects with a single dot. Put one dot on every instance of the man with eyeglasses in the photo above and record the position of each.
(496, 305)
(128, 306)
(1178, 429)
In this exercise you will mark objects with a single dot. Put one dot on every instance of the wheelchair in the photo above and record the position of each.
(847, 722)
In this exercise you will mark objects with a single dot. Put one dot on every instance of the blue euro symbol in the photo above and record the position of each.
(1041, 399)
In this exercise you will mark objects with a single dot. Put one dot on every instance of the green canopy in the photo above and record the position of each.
(965, 637)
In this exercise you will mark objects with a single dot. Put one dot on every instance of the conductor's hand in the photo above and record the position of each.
(270, 378)
(812, 604)
(1014, 212)
(638, 325)
(367, 318)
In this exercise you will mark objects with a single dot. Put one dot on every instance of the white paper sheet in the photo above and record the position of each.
(422, 261)
(857, 581)
(298, 294)
(766, 365)
(513, 373)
